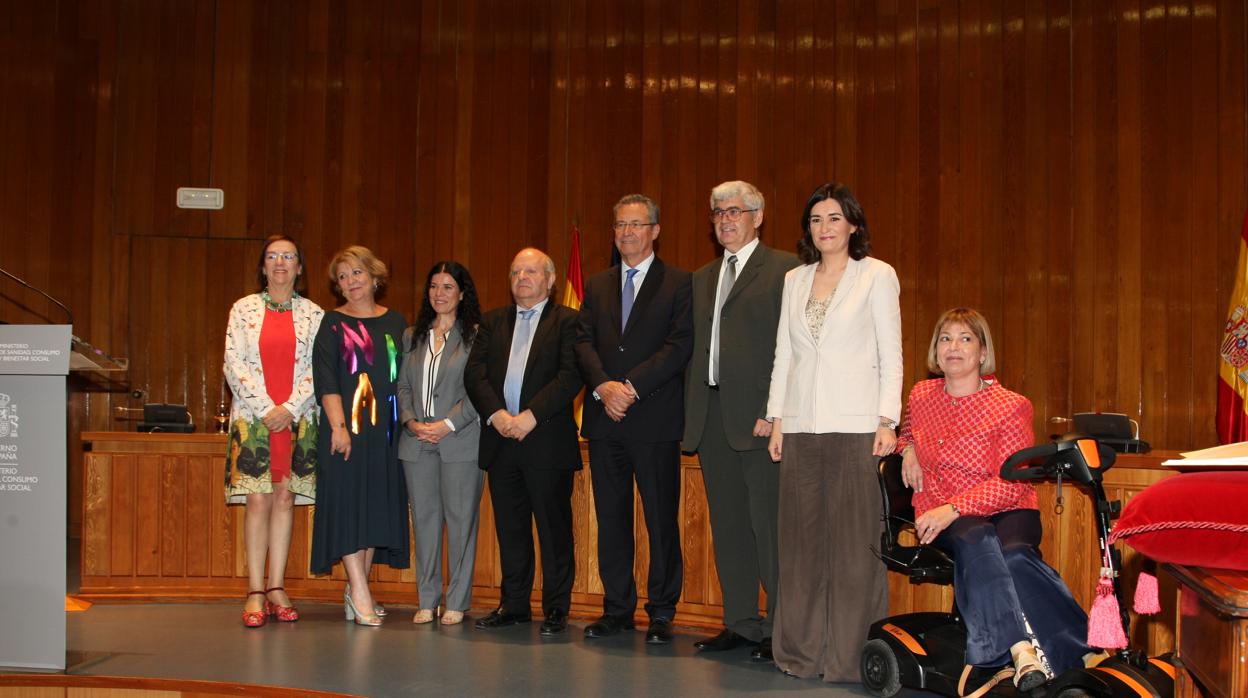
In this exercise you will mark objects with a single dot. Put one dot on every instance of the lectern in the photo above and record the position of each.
(34, 360)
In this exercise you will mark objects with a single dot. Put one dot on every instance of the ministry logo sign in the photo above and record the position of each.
(8, 417)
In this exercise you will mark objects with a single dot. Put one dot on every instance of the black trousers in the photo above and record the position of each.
(743, 494)
(520, 497)
(614, 465)
(1001, 581)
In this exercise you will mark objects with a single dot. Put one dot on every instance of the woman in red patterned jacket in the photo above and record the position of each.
(957, 431)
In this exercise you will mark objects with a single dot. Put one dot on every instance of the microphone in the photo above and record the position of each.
(42, 293)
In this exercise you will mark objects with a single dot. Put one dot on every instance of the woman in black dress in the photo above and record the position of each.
(361, 499)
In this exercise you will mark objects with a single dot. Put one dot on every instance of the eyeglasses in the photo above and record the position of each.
(274, 256)
(732, 215)
(631, 226)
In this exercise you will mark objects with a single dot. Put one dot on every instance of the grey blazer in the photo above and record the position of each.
(449, 398)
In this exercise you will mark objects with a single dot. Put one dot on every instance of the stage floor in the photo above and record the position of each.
(322, 651)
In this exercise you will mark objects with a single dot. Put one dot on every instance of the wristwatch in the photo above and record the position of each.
(888, 423)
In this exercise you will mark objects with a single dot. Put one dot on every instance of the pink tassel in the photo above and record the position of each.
(1104, 623)
(1146, 594)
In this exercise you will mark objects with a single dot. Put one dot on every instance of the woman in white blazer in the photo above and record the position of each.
(271, 462)
(835, 400)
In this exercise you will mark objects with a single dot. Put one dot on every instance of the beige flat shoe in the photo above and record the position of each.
(424, 615)
(1028, 672)
(452, 617)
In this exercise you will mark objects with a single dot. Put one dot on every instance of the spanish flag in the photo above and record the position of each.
(1232, 420)
(573, 294)
(574, 290)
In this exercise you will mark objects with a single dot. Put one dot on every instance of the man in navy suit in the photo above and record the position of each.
(522, 378)
(635, 336)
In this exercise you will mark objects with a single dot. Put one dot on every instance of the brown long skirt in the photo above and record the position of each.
(832, 587)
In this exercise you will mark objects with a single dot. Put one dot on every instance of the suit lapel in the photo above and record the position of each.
(420, 348)
(706, 292)
(801, 296)
(502, 343)
(615, 296)
(843, 289)
(540, 331)
(453, 344)
(848, 279)
(649, 288)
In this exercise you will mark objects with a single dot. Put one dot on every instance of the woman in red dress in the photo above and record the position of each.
(273, 421)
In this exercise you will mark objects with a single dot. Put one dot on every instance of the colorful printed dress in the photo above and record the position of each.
(361, 502)
(248, 463)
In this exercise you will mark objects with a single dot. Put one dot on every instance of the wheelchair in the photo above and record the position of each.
(927, 650)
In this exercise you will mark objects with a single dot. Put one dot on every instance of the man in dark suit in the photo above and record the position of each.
(634, 339)
(736, 307)
(522, 379)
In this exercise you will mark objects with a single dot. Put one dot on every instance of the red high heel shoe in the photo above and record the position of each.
(286, 614)
(256, 619)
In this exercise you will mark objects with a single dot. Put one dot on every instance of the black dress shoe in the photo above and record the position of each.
(660, 632)
(608, 625)
(555, 623)
(726, 640)
(762, 653)
(499, 618)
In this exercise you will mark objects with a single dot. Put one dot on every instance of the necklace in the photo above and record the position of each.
(283, 307)
(953, 399)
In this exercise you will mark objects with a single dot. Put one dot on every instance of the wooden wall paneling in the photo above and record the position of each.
(1178, 176)
(750, 41)
(1030, 342)
(947, 176)
(698, 554)
(920, 159)
(146, 514)
(546, 224)
(428, 236)
(203, 485)
(121, 530)
(225, 532)
(172, 524)
(912, 268)
(966, 75)
(1131, 90)
(1000, 262)
(459, 121)
(308, 158)
(557, 205)
(1085, 239)
(641, 546)
(1155, 181)
(160, 87)
(1059, 234)
(97, 519)
(1205, 302)
(679, 135)
(1232, 152)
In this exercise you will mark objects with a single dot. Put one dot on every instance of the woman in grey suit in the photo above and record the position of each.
(438, 447)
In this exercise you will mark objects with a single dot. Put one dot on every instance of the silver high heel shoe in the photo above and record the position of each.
(348, 606)
(377, 607)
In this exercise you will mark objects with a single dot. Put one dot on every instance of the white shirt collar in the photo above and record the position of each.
(743, 254)
(536, 306)
(641, 268)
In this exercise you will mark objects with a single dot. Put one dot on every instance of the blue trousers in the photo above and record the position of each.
(999, 575)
